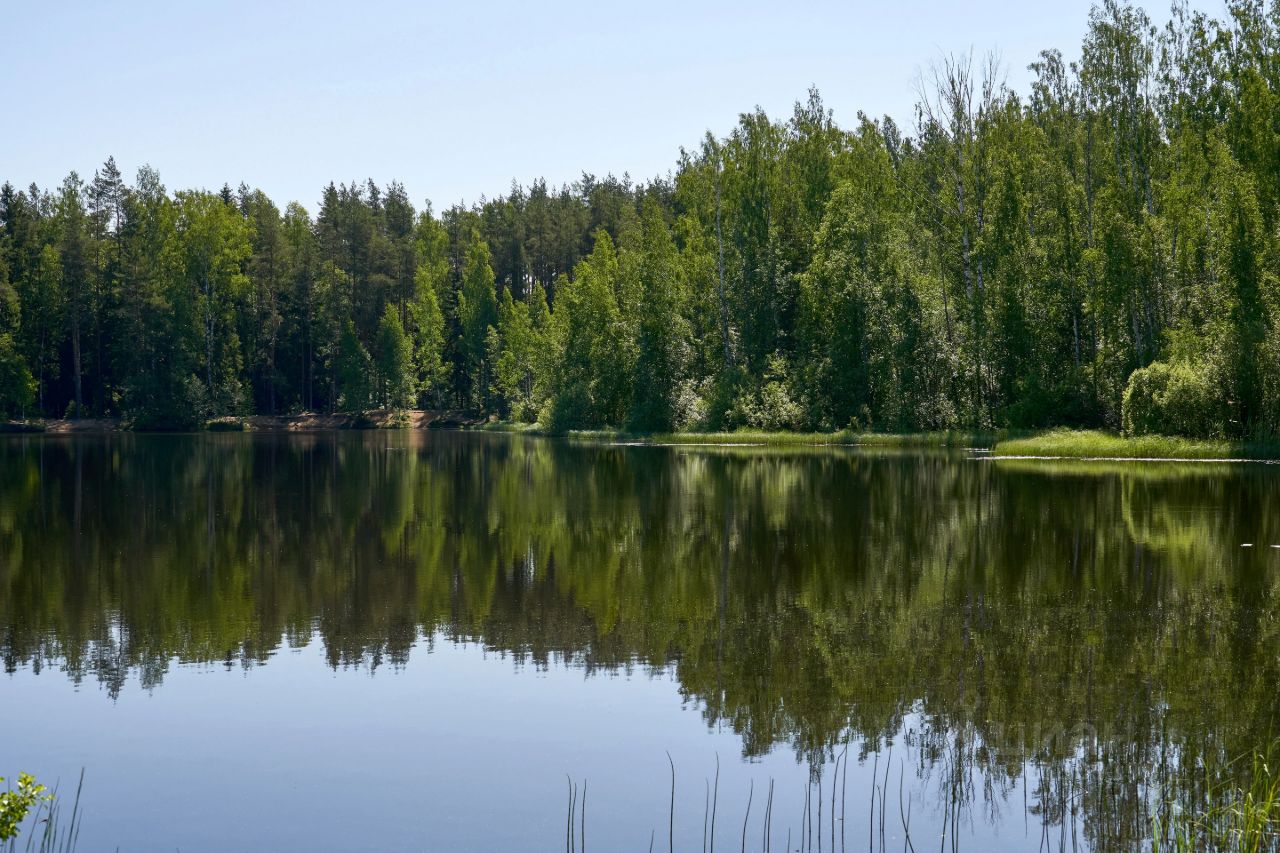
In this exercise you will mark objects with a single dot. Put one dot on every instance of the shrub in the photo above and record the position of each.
(691, 404)
(772, 407)
(1179, 398)
(570, 409)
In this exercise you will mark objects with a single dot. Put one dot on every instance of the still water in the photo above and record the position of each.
(422, 641)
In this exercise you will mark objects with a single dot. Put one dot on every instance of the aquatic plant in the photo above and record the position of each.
(1234, 819)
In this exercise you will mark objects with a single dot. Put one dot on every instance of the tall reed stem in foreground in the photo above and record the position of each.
(1234, 820)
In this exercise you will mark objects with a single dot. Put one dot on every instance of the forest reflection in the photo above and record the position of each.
(1098, 630)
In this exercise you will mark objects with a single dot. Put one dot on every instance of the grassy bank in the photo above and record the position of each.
(1095, 444)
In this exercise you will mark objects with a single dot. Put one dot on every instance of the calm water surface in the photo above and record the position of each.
(414, 641)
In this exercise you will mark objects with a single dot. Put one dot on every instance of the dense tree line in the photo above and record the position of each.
(1098, 251)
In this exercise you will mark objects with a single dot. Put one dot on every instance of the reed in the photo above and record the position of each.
(816, 822)
(1234, 819)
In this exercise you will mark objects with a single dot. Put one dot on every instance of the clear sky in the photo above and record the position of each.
(457, 99)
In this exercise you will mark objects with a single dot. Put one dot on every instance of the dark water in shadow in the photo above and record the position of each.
(406, 641)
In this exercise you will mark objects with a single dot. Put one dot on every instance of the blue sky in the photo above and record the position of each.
(455, 100)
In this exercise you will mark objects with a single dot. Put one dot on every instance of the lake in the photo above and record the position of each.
(426, 640)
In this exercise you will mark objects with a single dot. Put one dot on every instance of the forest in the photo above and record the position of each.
(1098, 251)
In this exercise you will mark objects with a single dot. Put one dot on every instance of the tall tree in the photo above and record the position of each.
(662, 347)
(394, 365)
(74, 249)
(212, 242)
(477, 313)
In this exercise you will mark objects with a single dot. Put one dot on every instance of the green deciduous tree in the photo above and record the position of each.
(395, 366)
(426, 332)
(353, 372)
(662, 339)
(477, 313)
(591, 386)
(209, 291)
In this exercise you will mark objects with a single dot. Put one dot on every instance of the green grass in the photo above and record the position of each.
(1095, 444)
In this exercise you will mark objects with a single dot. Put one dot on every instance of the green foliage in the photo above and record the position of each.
(489, 398)
(591, 386)
(869, 352)
(17, 385)
(517, 344)
(40, 299)
(395, 367)
(15, 803)
(1174, 399)
(426, 332)
(477, 313)
(352, 371)
(662, 345)
(206, 294)
(771, 406)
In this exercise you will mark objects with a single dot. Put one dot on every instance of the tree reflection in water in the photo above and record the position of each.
(1094, 630)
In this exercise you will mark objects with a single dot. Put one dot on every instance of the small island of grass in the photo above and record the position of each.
(1096, 444)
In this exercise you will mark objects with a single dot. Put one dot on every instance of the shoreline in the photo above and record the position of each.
(1048, 445)
(414, 419)
(955, 439)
